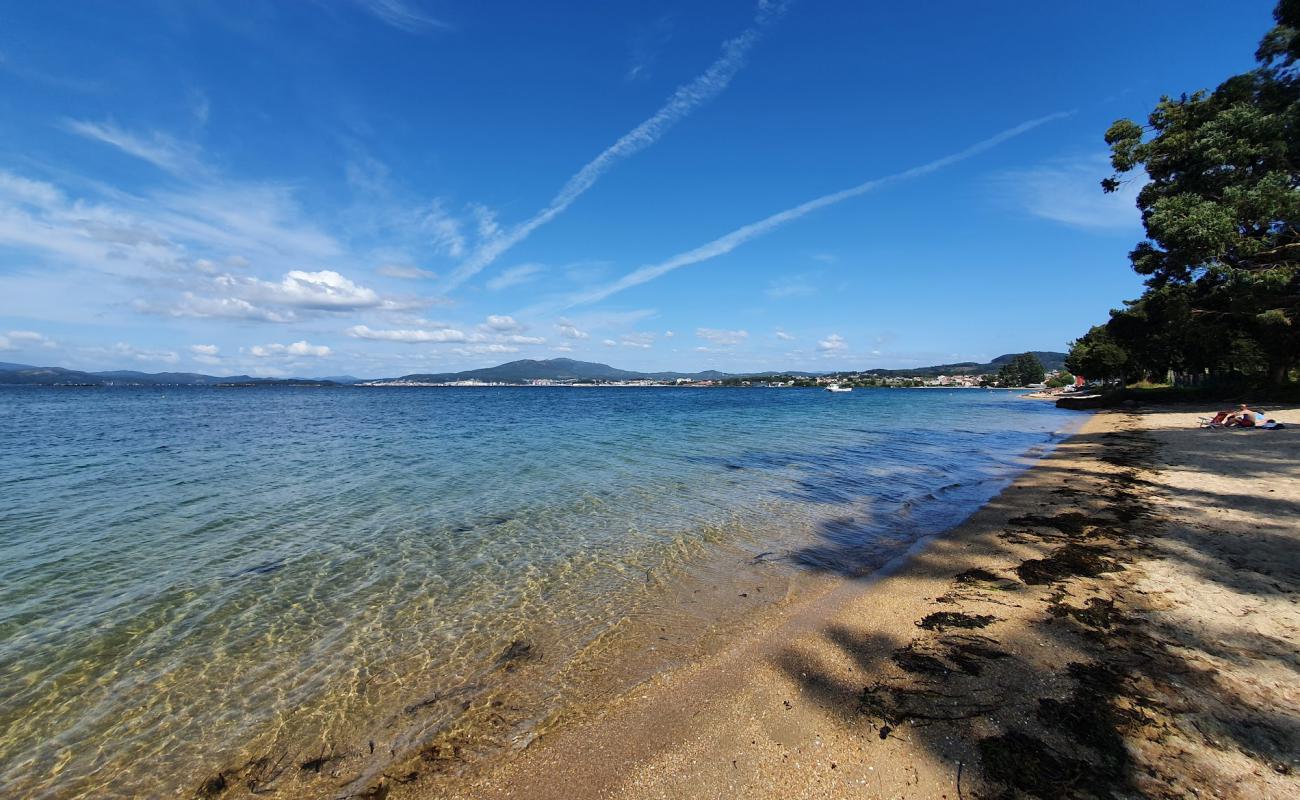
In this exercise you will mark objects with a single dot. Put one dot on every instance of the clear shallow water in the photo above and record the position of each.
(193, 579)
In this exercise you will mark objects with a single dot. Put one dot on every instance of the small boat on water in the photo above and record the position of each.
(835, 387)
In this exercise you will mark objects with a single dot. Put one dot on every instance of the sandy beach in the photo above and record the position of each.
(1122, 621)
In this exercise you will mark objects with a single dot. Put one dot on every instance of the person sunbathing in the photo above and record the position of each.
(1243, 418)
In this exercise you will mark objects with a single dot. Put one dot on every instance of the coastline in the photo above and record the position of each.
(1019, 649)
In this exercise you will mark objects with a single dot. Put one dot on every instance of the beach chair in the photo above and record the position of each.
(1219, 420)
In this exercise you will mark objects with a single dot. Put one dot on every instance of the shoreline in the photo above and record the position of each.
(939, 666)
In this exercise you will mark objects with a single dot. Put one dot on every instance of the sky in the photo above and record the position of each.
(385, 187)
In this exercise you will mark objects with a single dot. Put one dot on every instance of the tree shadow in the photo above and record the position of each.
(1142, 676)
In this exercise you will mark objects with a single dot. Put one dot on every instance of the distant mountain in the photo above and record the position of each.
(1051, 360)
(554, 369)
(58, 376)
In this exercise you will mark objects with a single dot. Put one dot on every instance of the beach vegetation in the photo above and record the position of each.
(1221, 210)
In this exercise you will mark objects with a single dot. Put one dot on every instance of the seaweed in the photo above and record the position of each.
(212, 787)
(1098, 613)
(977, 575)
(516, 653)
(1068, 561)
(942, 620)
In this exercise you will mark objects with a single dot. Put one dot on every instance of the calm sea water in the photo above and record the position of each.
(199, 580)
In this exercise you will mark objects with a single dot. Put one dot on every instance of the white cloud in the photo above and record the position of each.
(570, 331)
(121, 350)
(204, 349)
(192, 305)
(609, 343)
(832, 344)
(408, 336)
(720, 337)
(686, 99)
(321, 291)
(405, 272)
(669, 334)
(783, 336)
(641, 340)
(447, 236)
(399, 14)
(158, 149)
(725, 244)
(29, 192)
(515, 276)
(502, 323)
(1068, 191)
(296, 349)
(18, 340)
(791, 286)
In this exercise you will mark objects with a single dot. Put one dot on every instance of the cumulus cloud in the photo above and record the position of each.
(326, 290)
(570, 331)
(204, 349)
(609, 343)
(297, 349)
(502, 323)
(412, 336)
(832, 344)
(14, 340)
(783, 336)
(721, 338)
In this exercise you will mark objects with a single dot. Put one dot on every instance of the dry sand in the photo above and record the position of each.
(1122, 621)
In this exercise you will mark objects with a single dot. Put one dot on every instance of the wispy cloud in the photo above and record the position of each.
(725, 244)
(1068, 191)
(405, 272)
(685, 100)
(158, 148)
(402, 15)
(783, 336)
(721, 338)
(515, 276)
(791, 286)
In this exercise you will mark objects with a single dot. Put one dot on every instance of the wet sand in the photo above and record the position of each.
(1122, 621)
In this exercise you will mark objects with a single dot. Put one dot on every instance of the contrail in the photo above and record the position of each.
(686, 99)
(736, 238)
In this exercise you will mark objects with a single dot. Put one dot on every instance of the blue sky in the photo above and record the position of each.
(379, 187)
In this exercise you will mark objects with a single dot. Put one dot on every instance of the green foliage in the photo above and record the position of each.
(1222, 216)
(1060, 380)
(1022, 370)
(1097, 356)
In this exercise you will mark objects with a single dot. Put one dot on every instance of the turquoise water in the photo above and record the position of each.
(192, 579)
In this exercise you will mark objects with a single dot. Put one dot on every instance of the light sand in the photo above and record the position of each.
(1137, 592)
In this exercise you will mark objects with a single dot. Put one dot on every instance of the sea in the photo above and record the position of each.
(232, 591)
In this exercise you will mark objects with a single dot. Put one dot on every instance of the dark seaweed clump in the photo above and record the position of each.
(942, 620)
(1069, 561)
